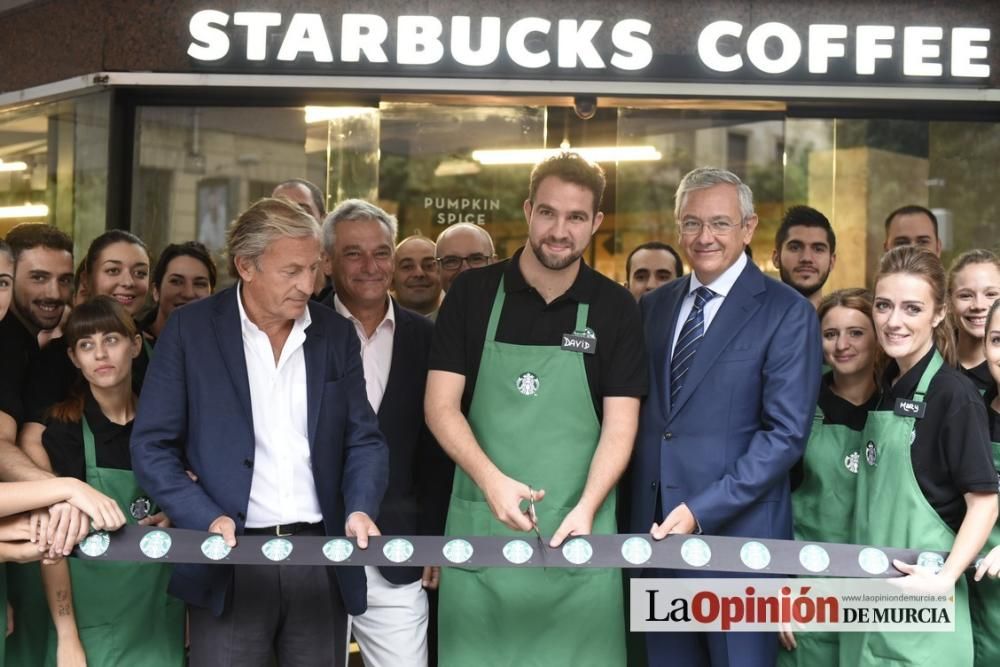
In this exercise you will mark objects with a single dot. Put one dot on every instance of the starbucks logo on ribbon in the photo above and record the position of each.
(814, 558)
(398, 550)
(527, 384)
(517, 552)
(636, 550)
(277, 549)
(577, 551)
(851, 462)
(215, 548)
(457, 551)
(873, 561)
(155, 544)
(755, 555)
(338, 550)
(932, 561)
(95, 544)
(696, 552)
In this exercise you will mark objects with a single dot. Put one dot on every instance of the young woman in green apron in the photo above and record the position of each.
(973, 286)
(106, 613)
(984, 590)
(823, 483)
(117, 266)
(925, 477)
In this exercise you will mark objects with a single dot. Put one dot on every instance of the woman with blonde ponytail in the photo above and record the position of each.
(925, 477)
(973, 286)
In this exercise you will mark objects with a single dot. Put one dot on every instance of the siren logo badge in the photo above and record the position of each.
(527, 384)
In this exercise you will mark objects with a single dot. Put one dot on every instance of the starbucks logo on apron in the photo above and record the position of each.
(527, 384)
(873, 561)
(696, 552)
(95, 544)
(932, 561)
(457, 551)
(398, 550)
(215, 548)
(338, 550)
(851, 462)
(871, 454)
(755, 555)
(577, 551)
(155, 544)
(277, 549)
(636, 550)
(517, 552)
(814, 557)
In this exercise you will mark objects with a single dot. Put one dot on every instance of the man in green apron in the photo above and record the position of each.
(537, 369)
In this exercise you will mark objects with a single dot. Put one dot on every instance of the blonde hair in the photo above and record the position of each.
(916, 261)
(966, 259)
(266, 221)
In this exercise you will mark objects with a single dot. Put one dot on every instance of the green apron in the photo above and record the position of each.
(823, 509)
(533, 415)
(984, 602)
(123, 612)
(892, 511)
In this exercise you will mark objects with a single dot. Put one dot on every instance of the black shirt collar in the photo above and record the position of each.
(102, 427)
(582, 290)
(907, 385)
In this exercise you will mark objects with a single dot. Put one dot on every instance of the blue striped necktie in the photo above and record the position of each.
(687, 343)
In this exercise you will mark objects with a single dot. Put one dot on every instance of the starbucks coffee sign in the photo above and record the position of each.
(585, 48)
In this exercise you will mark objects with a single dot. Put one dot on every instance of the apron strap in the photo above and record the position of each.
(818, 416)
(925, 380)
(582, 310)
(498, 300)
(148, 348)
(89, 449)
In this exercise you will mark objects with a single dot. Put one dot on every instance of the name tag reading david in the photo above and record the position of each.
(905, 408)
(576, 342)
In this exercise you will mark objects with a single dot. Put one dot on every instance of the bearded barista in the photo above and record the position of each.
(805, 251)
(544, 337)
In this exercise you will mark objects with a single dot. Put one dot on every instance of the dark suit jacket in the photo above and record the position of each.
(742, 417)
(195, 410)
(420, 473)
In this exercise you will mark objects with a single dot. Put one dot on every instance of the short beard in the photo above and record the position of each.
(552, 263)
(24, 310)
(807, 292)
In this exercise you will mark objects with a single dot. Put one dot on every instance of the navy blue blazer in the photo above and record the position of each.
(741, 419)
(420, 473)
(195, 413)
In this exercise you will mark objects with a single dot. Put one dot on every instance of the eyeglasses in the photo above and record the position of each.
(717, 227)
(454, 262)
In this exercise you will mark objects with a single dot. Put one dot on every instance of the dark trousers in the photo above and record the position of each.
(293, 614)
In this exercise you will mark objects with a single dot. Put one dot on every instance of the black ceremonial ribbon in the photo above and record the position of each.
(677, 552)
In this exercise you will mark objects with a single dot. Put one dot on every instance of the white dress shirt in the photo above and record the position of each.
(721, 286)
(283, 489)
(376, 351)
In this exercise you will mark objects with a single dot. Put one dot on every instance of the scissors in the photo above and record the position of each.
(542, 547)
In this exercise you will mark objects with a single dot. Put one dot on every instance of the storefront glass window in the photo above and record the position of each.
(54, 165)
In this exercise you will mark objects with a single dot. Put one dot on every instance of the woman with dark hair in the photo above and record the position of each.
(823, 482)
(925, 476)
(184, 273)
(106, 613)
(984, 596)
(6, 278)
(973, 286)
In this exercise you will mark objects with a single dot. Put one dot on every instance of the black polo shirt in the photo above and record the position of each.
(63, 442)
(980, 376)
(52, 376)
(951, 450)
(17, 348)
(618, 368)
(992, 415)
(837, 411)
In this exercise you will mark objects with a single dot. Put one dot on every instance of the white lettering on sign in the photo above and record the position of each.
(363, 33)
(531, 43)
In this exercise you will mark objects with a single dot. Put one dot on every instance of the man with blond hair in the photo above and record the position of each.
(260, 393)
